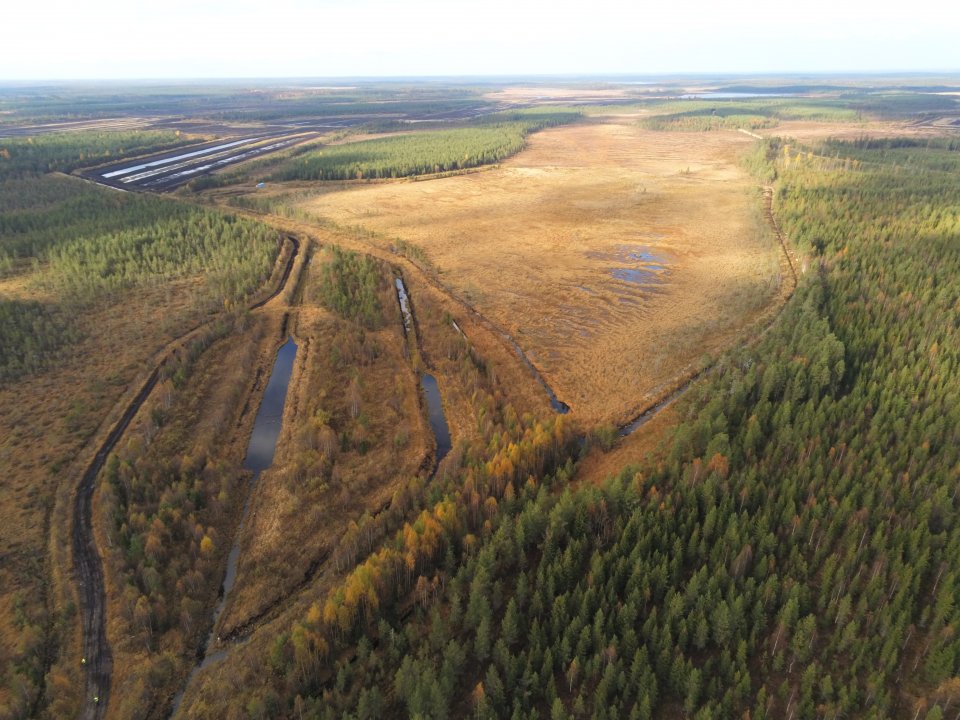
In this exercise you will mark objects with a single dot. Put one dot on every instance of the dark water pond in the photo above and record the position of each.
(438, 420)
(260, 452)
(266, 428)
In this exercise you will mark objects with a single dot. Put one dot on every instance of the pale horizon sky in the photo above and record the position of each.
(126, 39)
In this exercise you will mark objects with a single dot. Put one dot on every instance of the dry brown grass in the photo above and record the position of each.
(434, 304)
(529, 245)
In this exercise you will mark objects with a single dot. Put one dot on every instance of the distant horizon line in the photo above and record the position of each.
(613, 77)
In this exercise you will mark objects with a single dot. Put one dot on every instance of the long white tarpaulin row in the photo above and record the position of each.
(168, 160)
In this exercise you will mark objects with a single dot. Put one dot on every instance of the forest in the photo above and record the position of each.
(350, 285)
(83, 245)
(79, 243)
(701, 114)
(721, 113)
(31, 335)
(234, 256)
(230, 101)
(75, 258)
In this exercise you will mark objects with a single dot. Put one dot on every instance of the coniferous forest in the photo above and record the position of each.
(420, 153)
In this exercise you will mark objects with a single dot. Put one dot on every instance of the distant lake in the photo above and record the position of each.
(732, 95)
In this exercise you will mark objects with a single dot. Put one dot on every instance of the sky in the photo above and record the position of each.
(128, 39)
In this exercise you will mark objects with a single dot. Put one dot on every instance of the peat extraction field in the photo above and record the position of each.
(166, 171)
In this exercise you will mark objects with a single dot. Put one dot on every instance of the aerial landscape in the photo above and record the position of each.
(348, 380)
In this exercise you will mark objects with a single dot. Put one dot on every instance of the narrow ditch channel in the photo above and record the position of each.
(648, 414)
(410, 328)
(428, 383)
(558, 405)
(260, 453)
(404, 299)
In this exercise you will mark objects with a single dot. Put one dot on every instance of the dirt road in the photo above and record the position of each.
(97, 657)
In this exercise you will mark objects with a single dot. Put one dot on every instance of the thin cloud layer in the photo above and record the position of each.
(335, 38)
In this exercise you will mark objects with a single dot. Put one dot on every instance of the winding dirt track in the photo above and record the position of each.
(97, 657)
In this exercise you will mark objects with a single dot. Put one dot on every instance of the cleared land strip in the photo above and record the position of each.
(87, 561)
(148, 166)
(75, 126)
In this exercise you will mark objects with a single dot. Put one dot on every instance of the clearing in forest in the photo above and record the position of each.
(615, 256)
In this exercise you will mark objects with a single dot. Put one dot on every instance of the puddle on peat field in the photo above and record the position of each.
(650, 275)
(644, 266)
(629, 254)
